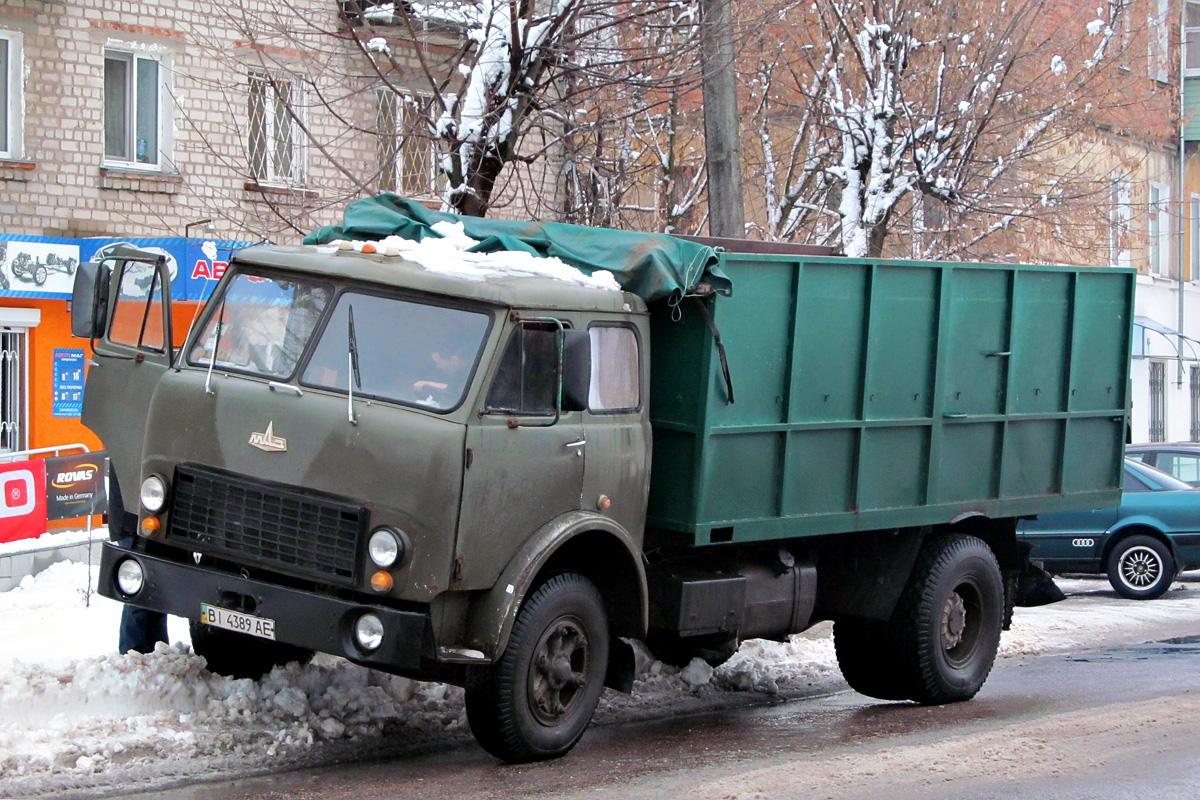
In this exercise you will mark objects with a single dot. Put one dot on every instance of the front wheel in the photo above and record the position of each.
(40, 274)
(1140, 568)
(946, 627)
(535, 702)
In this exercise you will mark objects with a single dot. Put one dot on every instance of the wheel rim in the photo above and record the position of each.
(559, 670)
(962, 616)
(1140, 568)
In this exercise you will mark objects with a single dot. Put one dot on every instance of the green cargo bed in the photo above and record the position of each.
(884, 394)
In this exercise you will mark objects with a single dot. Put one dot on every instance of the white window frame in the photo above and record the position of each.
(270, 172)
(13, 146)
(134, 55)
(1119, 215)
(1191, 33)
(1158, 227)
(1158, 41)
(1194, 237)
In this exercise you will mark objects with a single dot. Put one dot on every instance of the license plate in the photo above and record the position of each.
(237, 621)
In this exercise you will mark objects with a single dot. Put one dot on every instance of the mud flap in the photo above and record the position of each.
(1035, 587)
(622, 666)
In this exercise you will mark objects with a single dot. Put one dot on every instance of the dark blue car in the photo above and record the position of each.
(1142, 544)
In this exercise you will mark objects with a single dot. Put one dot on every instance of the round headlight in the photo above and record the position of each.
(384, 547)
(129, 577)
(368, 631)
(153, 494)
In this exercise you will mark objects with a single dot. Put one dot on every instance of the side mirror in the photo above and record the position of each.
(89, 300)
(577, 369)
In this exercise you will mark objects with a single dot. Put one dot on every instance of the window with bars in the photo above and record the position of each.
(1195, 394)
(1158, 401)
(132, 109)
(12, 390)
(407, 152)
(276, 142)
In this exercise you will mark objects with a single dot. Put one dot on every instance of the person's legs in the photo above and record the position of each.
(141, 629)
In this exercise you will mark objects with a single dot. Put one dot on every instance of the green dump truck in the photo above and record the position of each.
(495, 476)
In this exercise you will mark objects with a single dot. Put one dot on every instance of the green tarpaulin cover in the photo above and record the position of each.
(651, 265)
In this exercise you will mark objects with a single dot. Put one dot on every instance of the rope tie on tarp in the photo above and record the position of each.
(716, 334)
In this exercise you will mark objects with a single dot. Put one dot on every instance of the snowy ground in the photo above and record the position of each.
(76, 717)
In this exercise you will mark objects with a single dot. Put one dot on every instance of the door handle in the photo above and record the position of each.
(579, 443)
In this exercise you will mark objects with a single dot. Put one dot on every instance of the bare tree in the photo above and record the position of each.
(950, 121)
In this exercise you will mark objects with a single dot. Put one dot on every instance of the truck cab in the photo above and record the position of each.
(353, 454)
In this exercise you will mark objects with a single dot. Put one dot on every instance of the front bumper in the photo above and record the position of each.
(305, 619)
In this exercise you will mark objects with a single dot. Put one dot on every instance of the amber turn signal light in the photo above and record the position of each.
(150, 527)
(382, 581)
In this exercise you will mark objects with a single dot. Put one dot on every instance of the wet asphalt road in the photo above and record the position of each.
(1120, 723)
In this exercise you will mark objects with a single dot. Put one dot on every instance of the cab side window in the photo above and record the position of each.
(527, 379)
(616, 373)
(137, 319)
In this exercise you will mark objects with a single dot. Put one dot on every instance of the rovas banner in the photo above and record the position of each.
(75, 485)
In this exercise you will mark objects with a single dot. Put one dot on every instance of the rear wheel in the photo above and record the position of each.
(1140, 568)
(946, 626)
(240, 656)
(535, 702)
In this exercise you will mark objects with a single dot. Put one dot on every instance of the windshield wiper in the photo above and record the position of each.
(356, 378)
(212, 358)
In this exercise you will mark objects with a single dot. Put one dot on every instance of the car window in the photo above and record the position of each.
(1184, 466)
(1132, 483)
(1136, 456)
(1153, 479)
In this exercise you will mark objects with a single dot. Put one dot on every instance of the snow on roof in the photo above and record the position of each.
(449, 256)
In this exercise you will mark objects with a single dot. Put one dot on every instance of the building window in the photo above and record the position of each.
(1194, 238)
(1118, 222)
(1158, 401)
(1195, 387)
(10, 95)
(407, 152)
(1158, 40)
(132, 109)
(12, 390)
(1191, 36)
(276, 141)
(1159, 228)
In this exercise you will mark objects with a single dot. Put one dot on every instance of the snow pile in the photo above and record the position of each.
(448, 255)
(73, 713)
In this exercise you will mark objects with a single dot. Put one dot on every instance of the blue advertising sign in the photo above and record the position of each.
(44, 266)
(68, 383)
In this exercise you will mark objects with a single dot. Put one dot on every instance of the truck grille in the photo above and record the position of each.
(281, 528)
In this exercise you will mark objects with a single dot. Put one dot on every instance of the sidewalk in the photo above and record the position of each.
(31, 556)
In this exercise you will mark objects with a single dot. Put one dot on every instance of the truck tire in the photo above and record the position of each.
(40, 274)
(535, 702)
(1140, 568)
(237, 655)
(868, 660)
(946, 626)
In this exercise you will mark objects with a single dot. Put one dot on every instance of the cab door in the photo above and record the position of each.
(524, 459)
(130, 316)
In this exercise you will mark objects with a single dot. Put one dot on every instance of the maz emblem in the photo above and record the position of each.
(268, 441)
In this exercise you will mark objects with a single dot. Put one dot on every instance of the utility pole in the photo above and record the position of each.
(723, 146)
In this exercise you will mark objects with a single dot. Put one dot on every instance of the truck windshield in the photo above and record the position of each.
(408, 352)
(265, 324)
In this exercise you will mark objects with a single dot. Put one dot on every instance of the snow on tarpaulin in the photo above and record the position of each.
(653, 266)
